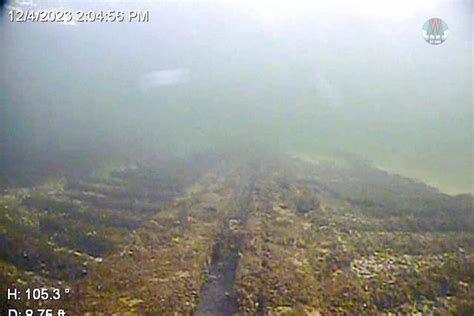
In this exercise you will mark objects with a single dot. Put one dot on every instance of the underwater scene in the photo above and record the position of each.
(236, 157)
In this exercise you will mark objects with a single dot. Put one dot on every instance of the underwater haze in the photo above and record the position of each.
(287, 77)
(266, 157)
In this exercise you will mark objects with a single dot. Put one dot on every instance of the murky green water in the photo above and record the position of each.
(212, 76)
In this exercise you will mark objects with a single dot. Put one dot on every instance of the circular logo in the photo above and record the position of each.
(435, 31)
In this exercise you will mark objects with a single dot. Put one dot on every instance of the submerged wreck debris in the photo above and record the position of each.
(217, 295)
(279, 237)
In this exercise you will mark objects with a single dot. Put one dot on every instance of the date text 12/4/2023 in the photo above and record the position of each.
(78, 16)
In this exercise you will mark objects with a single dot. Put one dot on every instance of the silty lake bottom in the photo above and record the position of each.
(224, 234)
